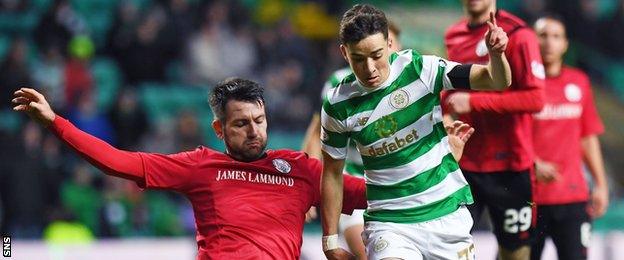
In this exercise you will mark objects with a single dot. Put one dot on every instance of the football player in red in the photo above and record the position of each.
(497, 163)
(565, 136)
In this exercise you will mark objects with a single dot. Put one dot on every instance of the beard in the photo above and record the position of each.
(244, 153)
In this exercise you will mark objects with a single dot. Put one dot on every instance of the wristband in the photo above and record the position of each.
(330, 242)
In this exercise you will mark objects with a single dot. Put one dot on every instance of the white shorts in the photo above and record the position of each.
(347, 221)
(447, 237)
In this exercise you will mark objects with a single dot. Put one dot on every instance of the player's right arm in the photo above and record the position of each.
(165, 171)
(331, 203)
(334, 138)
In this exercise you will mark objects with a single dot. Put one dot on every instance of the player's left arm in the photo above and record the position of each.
(496, 75)
(591, 127)
(592, 156)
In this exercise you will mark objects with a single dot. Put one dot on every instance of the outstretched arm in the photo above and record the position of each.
(112, 161)
(165, 171)
(496, 75)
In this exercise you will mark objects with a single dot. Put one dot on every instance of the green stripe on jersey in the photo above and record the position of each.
(427, 212)
(416, 184)
(402, 118)
(346, 108)
(354, 169)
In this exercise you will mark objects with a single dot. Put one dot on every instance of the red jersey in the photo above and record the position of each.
(243, 210)
(568, 116)
(502, 120)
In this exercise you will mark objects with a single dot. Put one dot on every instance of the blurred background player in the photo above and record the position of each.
(501, 153)
(351, 226)
(390, 108)
(565, 136)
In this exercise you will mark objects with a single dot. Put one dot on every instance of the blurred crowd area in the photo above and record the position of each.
(136, 74)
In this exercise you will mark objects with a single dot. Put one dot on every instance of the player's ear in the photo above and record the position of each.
(343, 50)
(218, 128)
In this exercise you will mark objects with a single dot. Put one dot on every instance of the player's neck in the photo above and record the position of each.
(481, 18)
(553, 69)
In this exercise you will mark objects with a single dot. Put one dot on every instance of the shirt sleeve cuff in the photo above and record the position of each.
(336, 153)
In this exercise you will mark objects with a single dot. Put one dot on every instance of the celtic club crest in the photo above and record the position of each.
(385, 126)
(399, 99)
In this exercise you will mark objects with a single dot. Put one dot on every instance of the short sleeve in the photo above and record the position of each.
(590, 120)
(334, 134)
(171, 171)
(354, 194)
(454, 75)
(443, 74)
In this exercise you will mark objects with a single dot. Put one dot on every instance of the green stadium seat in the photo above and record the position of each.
(107, 79)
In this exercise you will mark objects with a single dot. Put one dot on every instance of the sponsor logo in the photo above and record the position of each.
(395, 144)
(281, 165)
(385, 126)
(399, 99)
(559, 111)
(573, 93)
(254, 177)
(481, 49)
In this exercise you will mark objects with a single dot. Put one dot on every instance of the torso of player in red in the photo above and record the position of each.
(568, 115)
(243, 210)
(502, 140)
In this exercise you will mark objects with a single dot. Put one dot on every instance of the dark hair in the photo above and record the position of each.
(361, 21)
(234, 89)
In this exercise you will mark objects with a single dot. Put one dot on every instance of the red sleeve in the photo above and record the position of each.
(526, 94)
(354, 195)
(590, 120)
(354, 189)
(148, 170)
(443, 96)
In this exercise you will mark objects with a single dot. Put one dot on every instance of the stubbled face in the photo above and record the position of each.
(369, 59)
(395, 44)
(244, 130)
(477, 7)
(552, 39)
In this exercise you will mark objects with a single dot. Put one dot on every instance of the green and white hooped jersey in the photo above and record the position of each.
(353, 161)
(411, 175)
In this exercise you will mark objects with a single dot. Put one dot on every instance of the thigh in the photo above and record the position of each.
(509, 202)
(450, 237)
(384, 241)
(571, 231)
